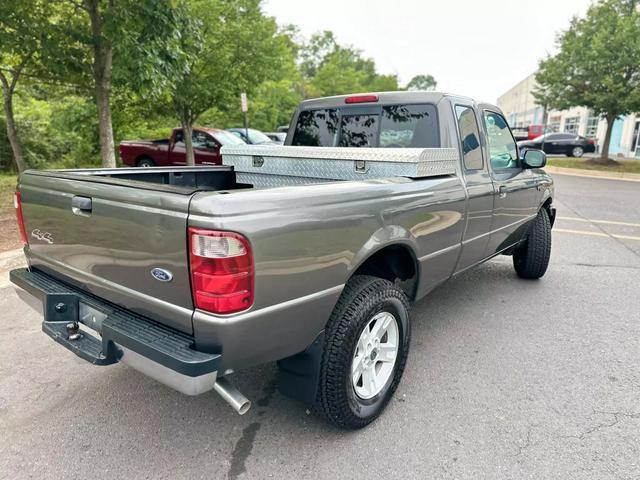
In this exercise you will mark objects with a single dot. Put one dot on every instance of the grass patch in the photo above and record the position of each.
(626, 166)
(7, 189)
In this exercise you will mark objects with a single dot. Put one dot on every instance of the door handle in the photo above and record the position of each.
(502, 191)
(81, 206)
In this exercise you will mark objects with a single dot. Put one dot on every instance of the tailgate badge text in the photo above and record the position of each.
(44, 236)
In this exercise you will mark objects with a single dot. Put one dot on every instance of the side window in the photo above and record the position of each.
(469, 138)
(503, 151)
(199, 139)
(179, 137)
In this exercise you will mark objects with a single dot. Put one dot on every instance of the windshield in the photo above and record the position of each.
(226, 138)
(256, 136)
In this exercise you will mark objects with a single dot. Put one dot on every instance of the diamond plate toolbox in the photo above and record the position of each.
(341, 163)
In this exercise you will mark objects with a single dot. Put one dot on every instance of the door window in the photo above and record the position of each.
(503, 151)
(200, 139)
(469, 138)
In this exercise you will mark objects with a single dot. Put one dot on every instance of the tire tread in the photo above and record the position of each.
(532, 259)
(361, 293)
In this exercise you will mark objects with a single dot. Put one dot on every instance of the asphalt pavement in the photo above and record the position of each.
(506, 379)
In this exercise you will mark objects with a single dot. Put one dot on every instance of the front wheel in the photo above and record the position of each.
(365, 351)
(531, 259)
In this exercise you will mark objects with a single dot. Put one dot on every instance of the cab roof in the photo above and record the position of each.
(384, 98)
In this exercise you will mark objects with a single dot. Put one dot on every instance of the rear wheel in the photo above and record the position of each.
(366, 348)
(531, 259)
(576, 152)
(145, 162)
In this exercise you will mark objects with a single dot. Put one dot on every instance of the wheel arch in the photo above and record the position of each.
(393, 259)
(550, 210)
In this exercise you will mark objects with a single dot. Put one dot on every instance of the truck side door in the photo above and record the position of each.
(515, 188)
(479, 187)
(177, 149)
(205, 149)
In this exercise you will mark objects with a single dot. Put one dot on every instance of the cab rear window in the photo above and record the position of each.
(391, 126)
(317, 128)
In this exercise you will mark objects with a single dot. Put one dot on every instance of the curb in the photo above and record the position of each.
(8, 254)
(579, 172)
(9, 260)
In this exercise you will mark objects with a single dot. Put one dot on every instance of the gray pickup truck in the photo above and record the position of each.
(308, 254)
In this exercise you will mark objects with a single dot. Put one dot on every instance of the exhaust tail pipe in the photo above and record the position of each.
(232, 395)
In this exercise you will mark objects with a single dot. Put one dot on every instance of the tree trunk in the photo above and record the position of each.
(604, 155)
(102, 77)
(12, 133)
(187, 131)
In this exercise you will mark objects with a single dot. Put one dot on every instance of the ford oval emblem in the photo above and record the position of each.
(162, 274)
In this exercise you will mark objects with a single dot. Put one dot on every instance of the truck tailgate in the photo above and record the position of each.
(107, 238)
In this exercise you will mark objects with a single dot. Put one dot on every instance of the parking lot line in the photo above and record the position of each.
(596, 234)
(607, 222)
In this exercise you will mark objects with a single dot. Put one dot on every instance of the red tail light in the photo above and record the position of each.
(591, 141)
(361, 99)
(18, 204)
(221, 271)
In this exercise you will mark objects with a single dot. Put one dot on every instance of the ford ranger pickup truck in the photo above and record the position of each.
(172, 151)
(308, 254)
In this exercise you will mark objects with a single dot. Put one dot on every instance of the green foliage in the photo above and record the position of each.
(597, 65)
(58, 129)
(147, 38)
(332, 69)
(172, 60)
(234, 49)
(8, 184)
(56, 132)
(422, 83)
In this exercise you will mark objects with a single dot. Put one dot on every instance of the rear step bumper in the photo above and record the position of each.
(154, 349)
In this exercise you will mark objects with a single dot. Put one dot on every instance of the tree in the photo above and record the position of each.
(344, 70)
(597, 65)
(132, 44)
(23, 41)
(233, 49)
(422, 83)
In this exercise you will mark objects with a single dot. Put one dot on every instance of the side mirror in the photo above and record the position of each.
(534, 159)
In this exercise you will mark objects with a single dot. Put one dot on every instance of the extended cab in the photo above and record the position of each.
(171, 151)
(308, 254)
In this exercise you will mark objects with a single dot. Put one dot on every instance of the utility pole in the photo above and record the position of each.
(245, 107)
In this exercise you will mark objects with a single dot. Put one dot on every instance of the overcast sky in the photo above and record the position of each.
(476, 48)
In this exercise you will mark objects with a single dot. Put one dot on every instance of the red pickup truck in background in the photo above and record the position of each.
(172, 151)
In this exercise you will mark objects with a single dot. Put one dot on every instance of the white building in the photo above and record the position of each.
(521, 110)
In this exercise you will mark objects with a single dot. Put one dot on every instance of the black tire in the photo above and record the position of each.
(531, 259)
(362, 299)
(145, 162)
(576, 152)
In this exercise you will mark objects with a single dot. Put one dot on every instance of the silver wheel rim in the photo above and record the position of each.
(375, 355)
(577, 152)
